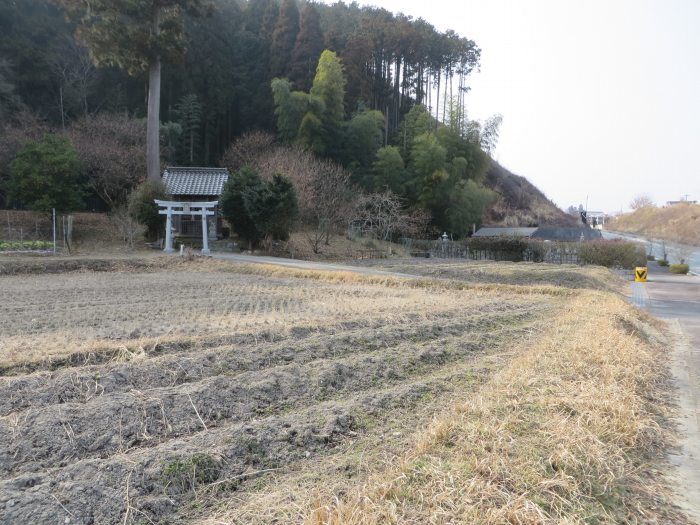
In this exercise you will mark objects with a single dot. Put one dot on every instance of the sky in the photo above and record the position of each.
(600, 98)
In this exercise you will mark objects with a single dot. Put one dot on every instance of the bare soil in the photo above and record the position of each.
(130, 389)
(519, 274)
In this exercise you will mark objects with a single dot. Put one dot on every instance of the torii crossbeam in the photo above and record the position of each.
(170, 208)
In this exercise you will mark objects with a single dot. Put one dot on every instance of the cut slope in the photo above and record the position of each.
(520, 203)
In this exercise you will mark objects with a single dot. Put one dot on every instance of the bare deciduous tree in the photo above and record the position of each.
(641, 201)
(75, 75)
(126, 225)
(110, 147)
(323, 187)
(383, 215)
(247, 150)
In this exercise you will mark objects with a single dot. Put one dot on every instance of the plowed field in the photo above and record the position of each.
(127, 395)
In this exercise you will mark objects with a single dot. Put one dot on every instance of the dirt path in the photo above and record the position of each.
(306, 265)
(677, 299)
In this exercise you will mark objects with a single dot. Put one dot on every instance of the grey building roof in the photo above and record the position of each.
(566, 234)
(195, 181)
(550, 233)
(505, 232)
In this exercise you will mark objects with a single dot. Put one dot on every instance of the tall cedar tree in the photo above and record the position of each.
(307, 49)
(135, 35)
(254, 49)
(283, 38)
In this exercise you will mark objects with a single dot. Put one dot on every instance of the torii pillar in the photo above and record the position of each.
(170, 208)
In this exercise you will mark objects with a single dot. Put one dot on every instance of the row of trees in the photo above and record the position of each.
(275, 186)
(234, 49)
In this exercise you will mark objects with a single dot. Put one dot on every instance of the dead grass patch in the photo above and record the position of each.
(567, 432)
(96, 317)
(506, 273)
(678, 223)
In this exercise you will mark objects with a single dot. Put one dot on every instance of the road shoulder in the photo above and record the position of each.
(676, 300)
(685, 367)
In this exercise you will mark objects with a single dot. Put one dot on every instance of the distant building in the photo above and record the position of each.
(504, 232)
(673, 203)
(195, 184)
(596, 219)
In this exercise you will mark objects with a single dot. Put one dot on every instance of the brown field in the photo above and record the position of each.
(163, 390)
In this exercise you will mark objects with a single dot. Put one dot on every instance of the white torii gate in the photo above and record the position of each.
(170, 208)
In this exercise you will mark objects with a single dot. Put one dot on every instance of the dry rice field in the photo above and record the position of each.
(210, 392)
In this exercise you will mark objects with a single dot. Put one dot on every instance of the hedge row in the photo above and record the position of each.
(612, 254)
(679, 268)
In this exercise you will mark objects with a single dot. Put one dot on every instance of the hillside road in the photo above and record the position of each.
(676, 299)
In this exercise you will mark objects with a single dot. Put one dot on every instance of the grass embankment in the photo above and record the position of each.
(564, 434)
(570, 430)
(678, 223)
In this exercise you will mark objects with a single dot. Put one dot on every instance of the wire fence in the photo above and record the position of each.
(35, 232)
(530, 251)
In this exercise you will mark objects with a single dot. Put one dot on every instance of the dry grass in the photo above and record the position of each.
(678, 223)
(569, 431)
(529, 275)
(87, 317)
(566, 433)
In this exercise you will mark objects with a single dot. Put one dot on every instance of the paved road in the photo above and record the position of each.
(657, 248)
(676, 299)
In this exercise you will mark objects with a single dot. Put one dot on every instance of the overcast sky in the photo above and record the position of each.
(600, 98)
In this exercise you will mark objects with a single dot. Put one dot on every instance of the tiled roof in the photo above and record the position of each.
(505, 232)
(195, 181)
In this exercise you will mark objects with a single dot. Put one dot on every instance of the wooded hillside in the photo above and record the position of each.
(383, 95)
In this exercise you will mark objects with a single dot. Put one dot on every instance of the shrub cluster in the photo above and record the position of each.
(500, 248)
(612, 254)
(258, 208)
(679, 268)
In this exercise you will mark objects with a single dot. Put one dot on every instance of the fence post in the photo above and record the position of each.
(54, 231)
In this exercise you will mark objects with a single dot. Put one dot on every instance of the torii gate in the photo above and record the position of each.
(170, 208)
